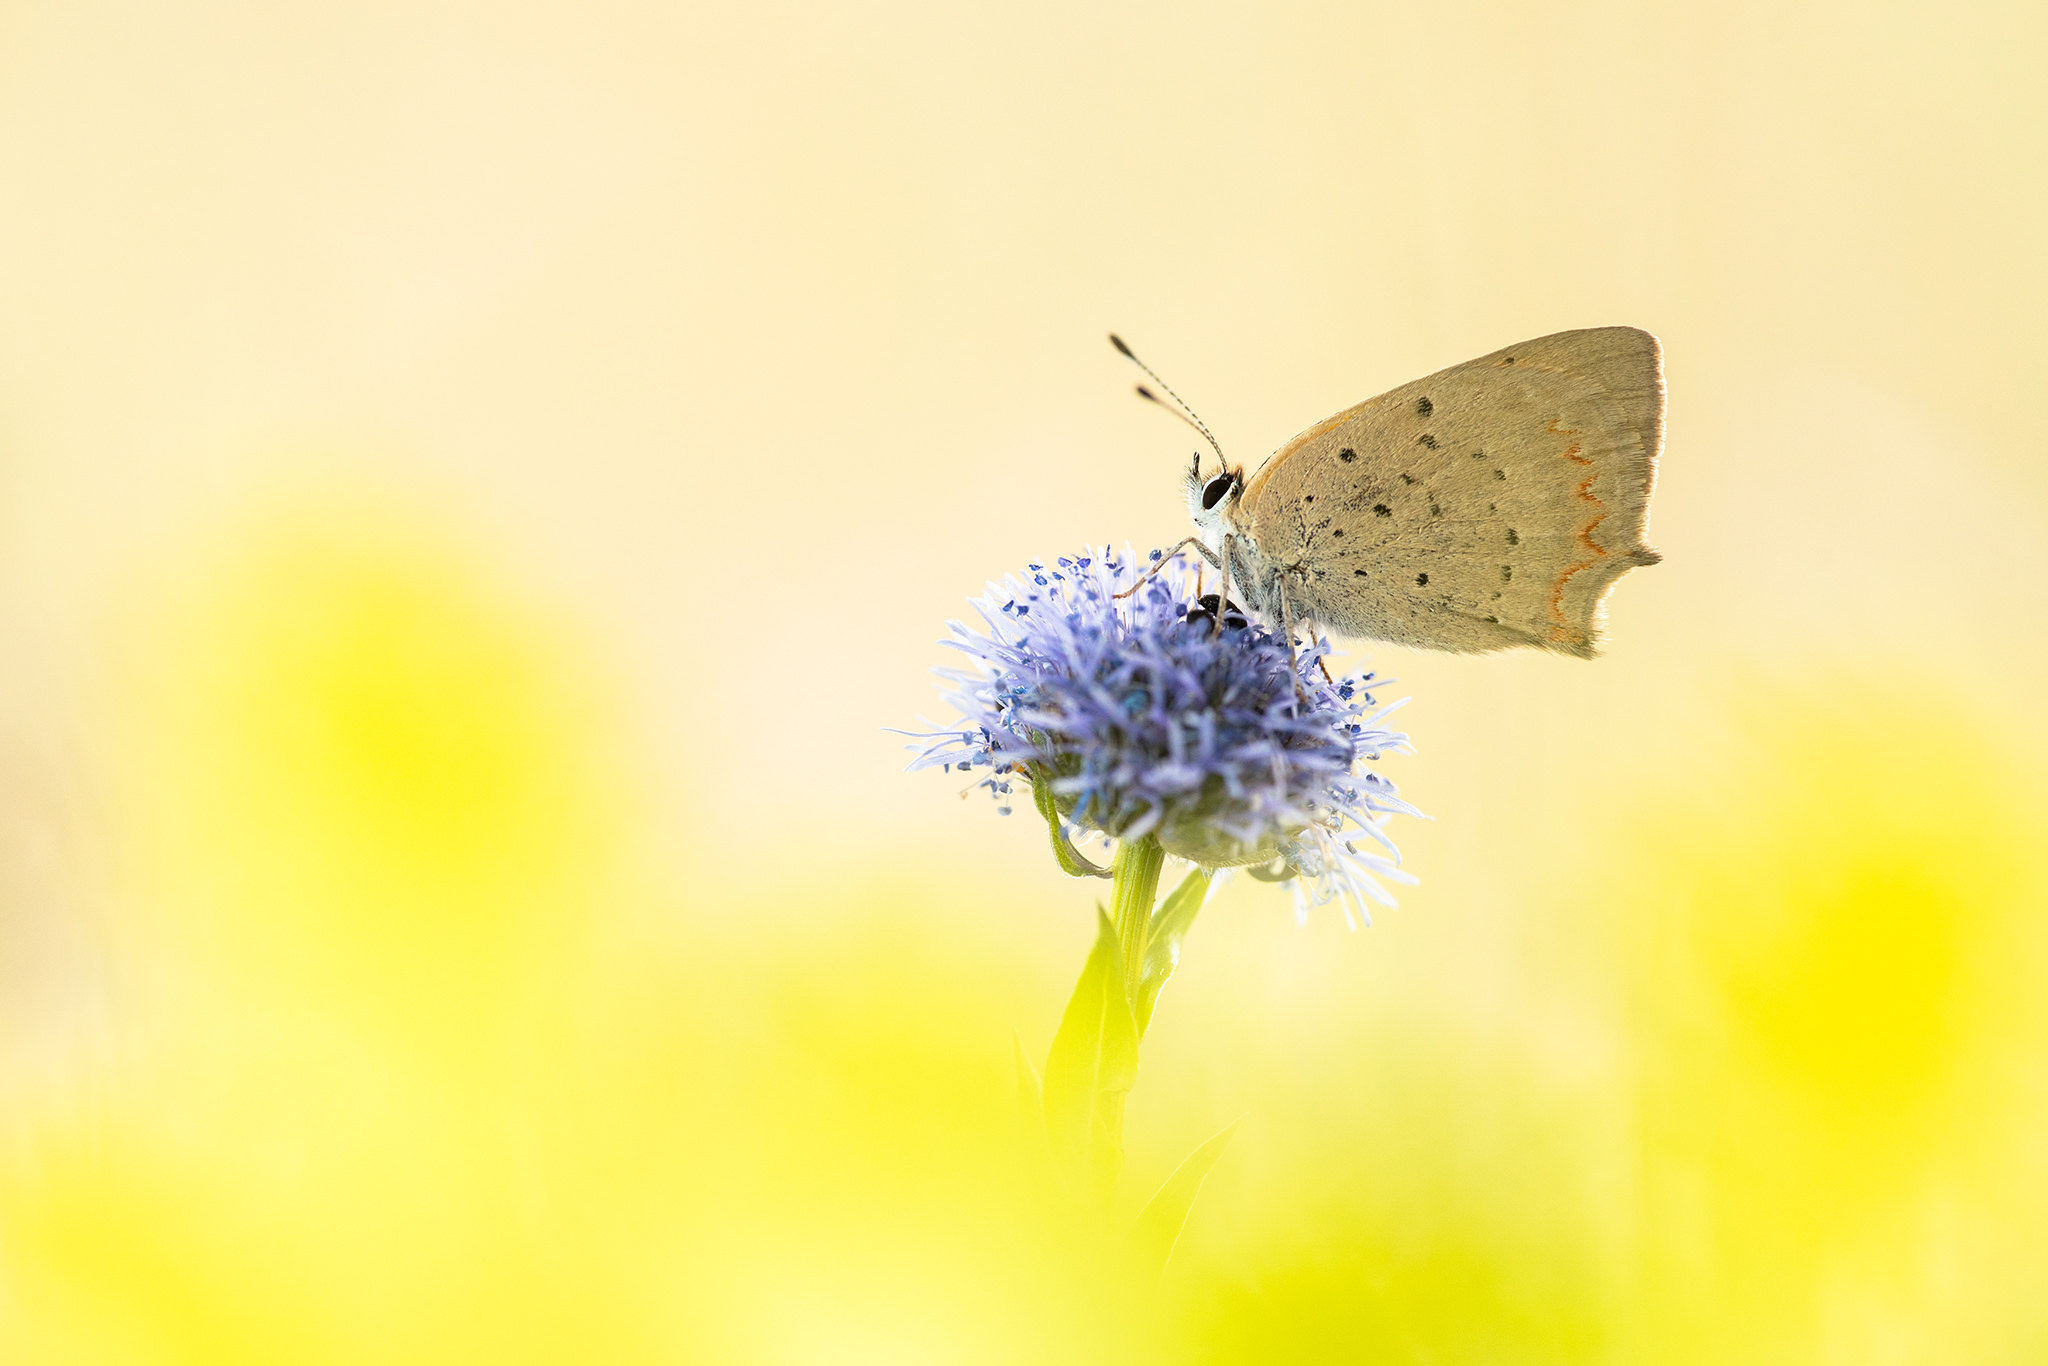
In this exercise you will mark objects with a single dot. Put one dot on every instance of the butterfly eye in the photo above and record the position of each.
(1213, 491)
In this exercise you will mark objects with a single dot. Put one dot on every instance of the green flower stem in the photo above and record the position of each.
(1131, 896)
(1136, 886)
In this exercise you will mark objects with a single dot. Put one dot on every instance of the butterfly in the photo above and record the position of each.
(1487, 506)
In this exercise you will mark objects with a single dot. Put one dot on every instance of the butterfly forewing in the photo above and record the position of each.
(1489, 505)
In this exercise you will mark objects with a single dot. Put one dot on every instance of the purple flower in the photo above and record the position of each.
(1134, 717)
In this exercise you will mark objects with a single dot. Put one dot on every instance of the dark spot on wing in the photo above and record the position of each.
(1347, 455)
(1423, 407)
(1507, 571)
(1382, 509)
(1500, 474)
(1358, 573)
(1494, 620)
(1509, 361)
(1308, 498)
(1338, 532)
(1479, 455)
(1407, 478)
(1426, 440)
(1422, 580)
(1513, 539)
(1434, 510)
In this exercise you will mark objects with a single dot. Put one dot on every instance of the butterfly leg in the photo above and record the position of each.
(1287, 625)
(1223, 594)
(1160, 564)
(1308, 628)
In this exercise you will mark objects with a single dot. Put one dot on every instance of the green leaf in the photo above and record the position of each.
(1093, 1062)
(1071, 861)
(1162, 940)
(1160, 1222)
(1030, 1097)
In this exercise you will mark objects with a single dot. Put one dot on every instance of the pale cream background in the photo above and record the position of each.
(736, 345)
(787, 328)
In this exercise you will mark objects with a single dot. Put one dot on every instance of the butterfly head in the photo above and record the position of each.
(1211, 500)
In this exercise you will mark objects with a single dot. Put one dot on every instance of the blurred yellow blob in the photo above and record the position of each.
(401, 1073)
(363, 768)
(410, 1060)
(1799, 1124)
(1835, 1004)
(357, 813)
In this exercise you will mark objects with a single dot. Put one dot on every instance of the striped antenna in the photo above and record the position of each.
(1178, 407)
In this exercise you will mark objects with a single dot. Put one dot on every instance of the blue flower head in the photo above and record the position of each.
(1135, 717)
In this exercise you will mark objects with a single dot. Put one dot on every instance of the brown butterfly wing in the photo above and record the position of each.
(1489, 505)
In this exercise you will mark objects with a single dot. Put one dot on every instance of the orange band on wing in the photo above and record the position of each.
(1572, 454)
(1562, 629)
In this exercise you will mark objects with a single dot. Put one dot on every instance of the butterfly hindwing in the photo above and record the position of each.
(1489, 505)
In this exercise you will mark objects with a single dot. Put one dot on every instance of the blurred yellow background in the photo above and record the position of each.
(475, 480)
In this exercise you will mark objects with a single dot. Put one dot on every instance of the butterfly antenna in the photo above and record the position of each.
(1178, 407)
